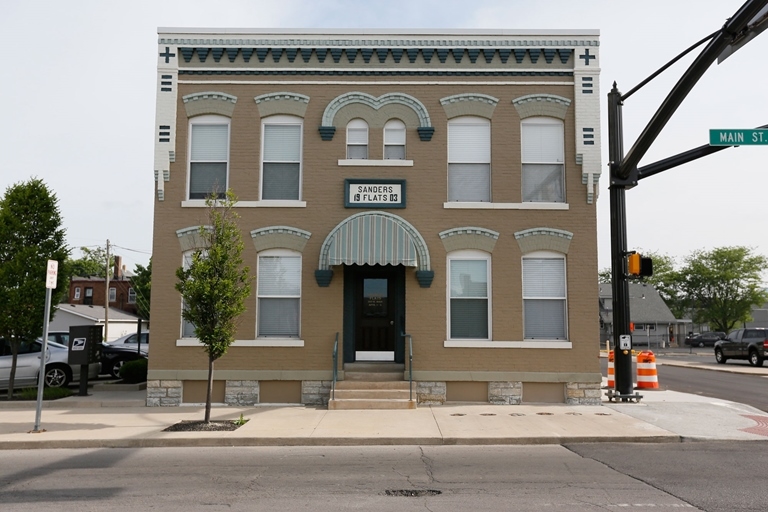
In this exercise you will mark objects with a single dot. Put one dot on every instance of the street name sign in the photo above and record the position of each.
(738, 137)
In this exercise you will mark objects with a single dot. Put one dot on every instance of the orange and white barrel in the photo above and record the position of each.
(647, 377)
(611, 371)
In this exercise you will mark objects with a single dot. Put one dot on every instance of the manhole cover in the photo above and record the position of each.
(487, 414)
(516, 414)
(544, 413)
(458, 414)
(413, 493)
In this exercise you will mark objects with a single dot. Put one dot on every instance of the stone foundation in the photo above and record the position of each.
(315, 392)
(241, 393)
(505, 393)
(430, 393)
(164, 393)
(583, 393)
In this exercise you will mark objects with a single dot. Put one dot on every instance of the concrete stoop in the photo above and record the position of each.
(372, 386)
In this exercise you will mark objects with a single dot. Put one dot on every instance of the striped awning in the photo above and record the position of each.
(372, 238)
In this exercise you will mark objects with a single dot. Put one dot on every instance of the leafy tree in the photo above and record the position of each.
(722, 285)
(92, 263)
(215, 284)
(31, 233)
(142, 285)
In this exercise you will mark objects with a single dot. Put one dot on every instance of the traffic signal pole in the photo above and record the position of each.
(748, 21)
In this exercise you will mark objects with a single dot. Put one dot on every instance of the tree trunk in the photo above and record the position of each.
(210, 390)
(12, 376)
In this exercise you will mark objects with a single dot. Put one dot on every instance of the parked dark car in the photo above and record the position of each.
(114, 356)
(750, 344)
(707, 339)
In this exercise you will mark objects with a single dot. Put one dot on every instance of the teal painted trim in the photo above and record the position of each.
(282, 96)
(469, 231)
(425, 133)
(323, 277)
(327, 132)
(425, 278)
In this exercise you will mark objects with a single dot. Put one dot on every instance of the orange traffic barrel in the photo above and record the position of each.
(647, 378)
(611, 371)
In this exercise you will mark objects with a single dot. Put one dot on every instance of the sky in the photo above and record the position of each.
(78, 91)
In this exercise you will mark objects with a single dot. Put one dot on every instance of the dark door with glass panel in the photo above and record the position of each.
(378, 312)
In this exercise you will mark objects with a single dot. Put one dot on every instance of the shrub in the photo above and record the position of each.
(48, 393)
(135, 371)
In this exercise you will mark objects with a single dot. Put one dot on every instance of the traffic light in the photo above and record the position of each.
(639, 266)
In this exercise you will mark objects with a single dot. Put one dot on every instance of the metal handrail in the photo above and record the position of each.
(410, 365)
(335, 366)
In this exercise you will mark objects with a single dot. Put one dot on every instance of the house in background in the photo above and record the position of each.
(119, 322)
(654, 323)
(90, 290)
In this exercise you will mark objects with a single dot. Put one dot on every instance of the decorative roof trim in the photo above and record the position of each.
(365, 72)
(282, 230)
(469, 231)
(544, 231)
(273, 96)
(209, 95)
(542, 97)
(484, 98)
(385, 42)
(376, 103)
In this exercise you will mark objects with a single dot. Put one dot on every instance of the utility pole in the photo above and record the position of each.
(106, 299)
(745, 24)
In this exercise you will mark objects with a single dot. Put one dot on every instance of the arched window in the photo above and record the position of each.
(469, 295)
(543, 160)
(281, 158)
(208, 156)
(357, 140)
(544, 296)
(278, 294)
(469, 159)
(394, 140)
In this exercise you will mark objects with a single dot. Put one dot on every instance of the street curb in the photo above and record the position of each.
(340, 441)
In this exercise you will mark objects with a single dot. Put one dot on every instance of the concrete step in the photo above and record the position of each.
(373, 376)
(380, 394)
(369, 403)
(375, 367)
(362, 384)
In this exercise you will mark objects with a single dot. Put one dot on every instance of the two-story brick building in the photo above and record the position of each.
(440, 184)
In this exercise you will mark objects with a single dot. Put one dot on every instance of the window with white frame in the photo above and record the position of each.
(112, 294)
(544, 296)
(469, 159)
(278, 294)
(208, 156)
(281, 158)
(131, 296)
(543, 160)
(394, 140)
(469, 295)
(77, 292)
(357, 140)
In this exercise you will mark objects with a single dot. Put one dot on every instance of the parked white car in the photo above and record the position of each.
(58, 372)
(132, 340)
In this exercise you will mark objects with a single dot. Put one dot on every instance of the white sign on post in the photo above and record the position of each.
(51, 274)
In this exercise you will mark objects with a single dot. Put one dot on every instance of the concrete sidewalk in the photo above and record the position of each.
(118, 419)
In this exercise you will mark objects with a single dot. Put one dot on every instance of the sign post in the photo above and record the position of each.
(51, 274)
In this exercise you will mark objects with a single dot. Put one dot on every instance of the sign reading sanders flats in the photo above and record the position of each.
(368, 193)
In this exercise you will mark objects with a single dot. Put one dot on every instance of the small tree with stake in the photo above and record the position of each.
(215, 284)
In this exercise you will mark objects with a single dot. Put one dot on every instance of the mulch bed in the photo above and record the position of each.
(202, 426)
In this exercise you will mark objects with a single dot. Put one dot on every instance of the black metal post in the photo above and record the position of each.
(619, 285)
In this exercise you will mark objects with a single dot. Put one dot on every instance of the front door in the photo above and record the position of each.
(376, 307)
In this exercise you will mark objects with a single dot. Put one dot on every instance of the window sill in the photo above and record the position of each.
(458, 205)
(375, 163)
(507, 344)
(200, 203)
(261, 342)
